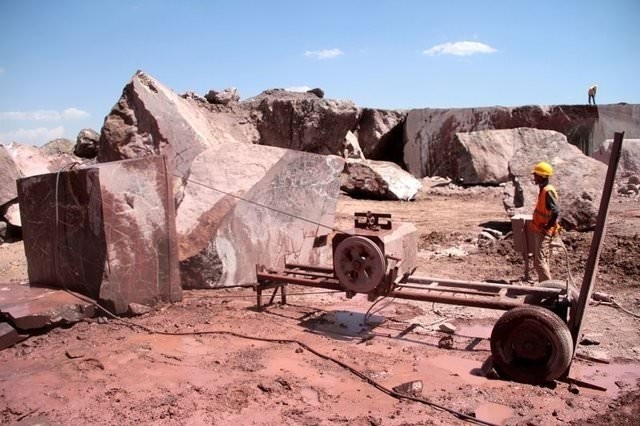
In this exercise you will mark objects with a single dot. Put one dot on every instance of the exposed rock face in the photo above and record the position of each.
(87, 144)
(217, 166)
(140, 124)
(302, 121)
(429, 133)
(380, 134)
(8, 175)
(151, 119)
(379, 180)
(106, 231)
(577, 178)
(629, 164)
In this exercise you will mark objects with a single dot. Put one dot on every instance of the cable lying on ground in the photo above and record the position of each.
(303, 345)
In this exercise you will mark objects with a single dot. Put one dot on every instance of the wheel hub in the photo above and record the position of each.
(359, 264)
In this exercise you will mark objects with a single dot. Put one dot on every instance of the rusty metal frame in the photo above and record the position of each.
(426, 289)
(458, 292)
(591, 268)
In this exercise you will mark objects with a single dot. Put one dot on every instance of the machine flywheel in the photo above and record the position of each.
(359, 264)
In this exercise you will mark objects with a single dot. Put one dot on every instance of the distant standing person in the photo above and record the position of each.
(592, 94)
(544, 225)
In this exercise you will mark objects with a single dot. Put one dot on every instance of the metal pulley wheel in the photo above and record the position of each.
(359, 264)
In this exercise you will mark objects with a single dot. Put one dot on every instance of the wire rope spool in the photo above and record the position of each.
(359, 264)
(531, 344)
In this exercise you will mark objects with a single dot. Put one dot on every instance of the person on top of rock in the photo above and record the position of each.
(592, 93)
(544, 225)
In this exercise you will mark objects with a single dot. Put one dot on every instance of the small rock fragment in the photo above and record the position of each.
(447, 327)
(446, 342)
(601, 296)
(138, 309)
(412, 388)
(586, 341)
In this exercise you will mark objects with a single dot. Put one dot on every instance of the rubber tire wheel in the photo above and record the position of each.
(531, 344)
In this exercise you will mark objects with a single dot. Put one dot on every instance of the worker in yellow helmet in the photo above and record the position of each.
(592, 93)
(544, 225)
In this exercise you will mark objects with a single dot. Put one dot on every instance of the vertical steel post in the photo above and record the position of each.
(591, 268)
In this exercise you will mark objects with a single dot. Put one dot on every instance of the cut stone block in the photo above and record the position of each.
(106, 231)
(379, 180)
(32, 308)
(253, 204)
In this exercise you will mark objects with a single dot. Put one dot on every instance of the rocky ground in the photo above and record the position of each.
(325, 359)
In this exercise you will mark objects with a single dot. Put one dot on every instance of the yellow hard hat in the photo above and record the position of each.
(543, 169)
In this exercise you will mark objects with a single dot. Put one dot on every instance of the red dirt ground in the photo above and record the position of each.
(221, 362)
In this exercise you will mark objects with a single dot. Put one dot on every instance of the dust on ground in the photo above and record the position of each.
(325, 359)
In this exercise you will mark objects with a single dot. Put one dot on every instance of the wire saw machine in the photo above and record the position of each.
(532, 342)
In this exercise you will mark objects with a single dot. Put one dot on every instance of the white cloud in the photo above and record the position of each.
(38, 136)
(1, 70)
(323, 54)
(45, 115)
(74, 114)
(459, 48)
(38, 115)
(298, 89)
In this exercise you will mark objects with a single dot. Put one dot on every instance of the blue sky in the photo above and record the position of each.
(63, 64)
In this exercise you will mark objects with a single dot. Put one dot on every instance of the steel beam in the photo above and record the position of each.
(591, 268)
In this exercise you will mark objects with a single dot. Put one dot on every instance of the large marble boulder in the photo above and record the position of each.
(579, 179)
(106, 231)
(429, 133)
(238, 203)
(379, 180)
(253, 205)
(303, 121)
(482, 157)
